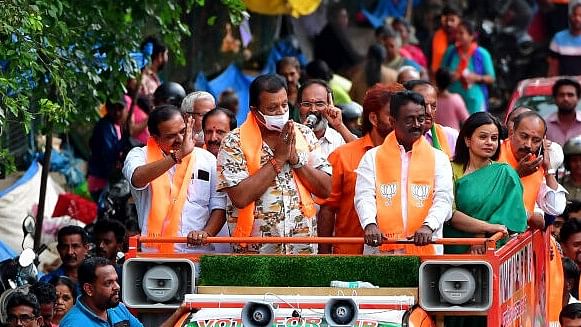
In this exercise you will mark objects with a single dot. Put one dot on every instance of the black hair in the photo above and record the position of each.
(72, 230)
(403, 21)
(528, 114)
(288, 61)
(375, 56)
(87, 270)
(451, 9)
(333, 10)
(462, 154)
(270, 83)
(571, 273)
(313, 82)
(443, 78)
(569, 228)
(318, 69)
(159, 115)
(400, 99)
(158, 47)
(573, 206)
(45, 292)
(26, 299)
(228, 100)
(570, 311)
(66, 281)
(568, 82)
(469, 26)
(233, 123)
(385, 31)
(110, 225)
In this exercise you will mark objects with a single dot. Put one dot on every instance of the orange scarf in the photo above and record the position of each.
(251, 145)
(166, 206)
(439, 46)
(531, 183)
(442, 140)
(555, 282)
(420, 192)
(464, 60)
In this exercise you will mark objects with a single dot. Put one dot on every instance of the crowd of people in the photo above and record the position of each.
(388, 155)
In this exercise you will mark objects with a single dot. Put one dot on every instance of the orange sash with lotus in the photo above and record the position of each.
(251, 145)
(167, 197)
(419, 188)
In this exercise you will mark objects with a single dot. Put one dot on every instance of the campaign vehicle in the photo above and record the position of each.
(505, 286)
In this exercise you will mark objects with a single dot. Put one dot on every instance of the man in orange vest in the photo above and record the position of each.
(337, 216)
(441, 137)
(404, 186)
(523, 150)
(174, 183)
(270, 167)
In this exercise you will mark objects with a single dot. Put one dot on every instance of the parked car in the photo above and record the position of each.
(536, 93)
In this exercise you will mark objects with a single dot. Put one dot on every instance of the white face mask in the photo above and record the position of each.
(276, 122)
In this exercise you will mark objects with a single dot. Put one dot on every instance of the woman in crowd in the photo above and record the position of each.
(66, 296)
(371, 73)
(472, 68)
(487, 194)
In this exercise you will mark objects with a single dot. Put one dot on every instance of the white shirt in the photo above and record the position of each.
(330, 141)
(202, 197)
(439, 212)
(551, 201)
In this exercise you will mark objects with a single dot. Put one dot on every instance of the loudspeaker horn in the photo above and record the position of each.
(257, 314)
(341, 311)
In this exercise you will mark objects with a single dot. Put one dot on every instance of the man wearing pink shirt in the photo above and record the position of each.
(566, 122)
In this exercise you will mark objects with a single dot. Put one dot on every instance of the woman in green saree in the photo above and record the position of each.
(487, 194)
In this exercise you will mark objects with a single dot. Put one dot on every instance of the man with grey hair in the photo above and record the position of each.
(565, 48)
(391, 41)
(197, 104)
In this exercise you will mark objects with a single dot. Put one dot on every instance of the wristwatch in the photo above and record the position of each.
(302, 160)
(551, 171)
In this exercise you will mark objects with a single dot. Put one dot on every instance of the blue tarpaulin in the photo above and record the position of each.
(387, 8)
(231, 78)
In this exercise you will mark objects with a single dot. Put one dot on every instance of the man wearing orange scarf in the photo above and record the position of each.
(441, 137)
(173, 184)
(404, 186)
(523, 150)
(270, 167)
(337, 216)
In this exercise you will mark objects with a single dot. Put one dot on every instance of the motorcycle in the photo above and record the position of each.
(18, 273)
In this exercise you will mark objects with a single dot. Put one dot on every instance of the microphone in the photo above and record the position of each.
(311, 121)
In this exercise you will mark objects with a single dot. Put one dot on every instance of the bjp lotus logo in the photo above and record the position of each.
(420, 192)
(388, 191)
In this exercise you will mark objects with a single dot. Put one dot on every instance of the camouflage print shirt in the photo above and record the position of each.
(277, 212)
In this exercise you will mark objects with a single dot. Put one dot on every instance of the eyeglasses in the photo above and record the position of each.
(318, 104)
(25, 319)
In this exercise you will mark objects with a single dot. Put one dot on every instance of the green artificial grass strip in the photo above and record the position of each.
(307, 271)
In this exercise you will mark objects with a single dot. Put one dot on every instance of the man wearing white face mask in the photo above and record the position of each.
(316, 110)
(270, 167)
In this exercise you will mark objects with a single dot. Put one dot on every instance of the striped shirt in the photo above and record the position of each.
(566, 48)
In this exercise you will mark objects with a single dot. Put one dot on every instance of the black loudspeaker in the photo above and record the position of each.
(341, 311)
(257, 314)
(455, 286)
(151, 283)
